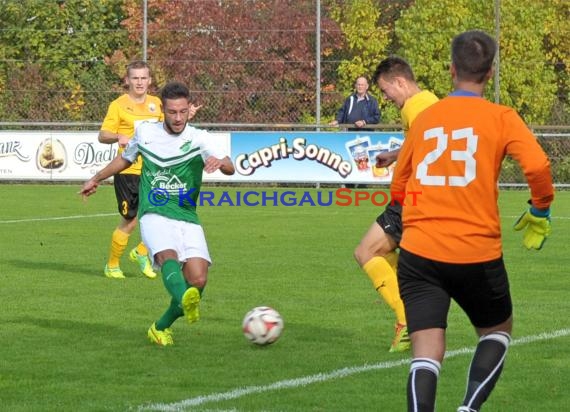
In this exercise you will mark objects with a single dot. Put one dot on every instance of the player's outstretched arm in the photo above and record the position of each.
(117, 165)
(536, 225)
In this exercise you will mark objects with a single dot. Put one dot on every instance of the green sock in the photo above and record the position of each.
(173, 279)
(172, 313)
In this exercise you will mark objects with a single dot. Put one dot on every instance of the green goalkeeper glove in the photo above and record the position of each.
(537, 227)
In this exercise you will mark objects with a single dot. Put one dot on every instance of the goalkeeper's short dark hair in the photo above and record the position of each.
(472, 55)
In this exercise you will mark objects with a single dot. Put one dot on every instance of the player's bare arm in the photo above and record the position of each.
(225, 165)
(385, 159)
(108, 137)
(117, 165)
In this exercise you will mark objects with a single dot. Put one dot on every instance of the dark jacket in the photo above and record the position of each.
(366, 110)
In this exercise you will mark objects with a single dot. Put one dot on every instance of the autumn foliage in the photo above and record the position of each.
(246, 61)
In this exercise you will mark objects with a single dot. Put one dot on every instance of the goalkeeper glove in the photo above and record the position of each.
(537, 227)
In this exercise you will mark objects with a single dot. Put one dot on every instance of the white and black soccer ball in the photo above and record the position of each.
(262, 325)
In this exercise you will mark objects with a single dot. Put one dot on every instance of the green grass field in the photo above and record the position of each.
(72, 340)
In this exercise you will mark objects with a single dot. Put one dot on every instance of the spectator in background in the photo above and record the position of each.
(359, 109)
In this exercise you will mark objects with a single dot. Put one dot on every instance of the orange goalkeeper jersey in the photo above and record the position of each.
(124, 115)
(452, 155)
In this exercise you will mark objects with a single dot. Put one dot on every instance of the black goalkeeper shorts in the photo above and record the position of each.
(426, 286)
(391, 221)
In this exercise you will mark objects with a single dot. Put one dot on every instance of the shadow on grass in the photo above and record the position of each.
(81, 335)
(58, 266)
(69, 324)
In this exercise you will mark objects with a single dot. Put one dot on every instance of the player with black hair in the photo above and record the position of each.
(376, 253)
(176, 153)
(451, 244)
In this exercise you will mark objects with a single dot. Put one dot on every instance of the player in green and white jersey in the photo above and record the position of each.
(174, 157)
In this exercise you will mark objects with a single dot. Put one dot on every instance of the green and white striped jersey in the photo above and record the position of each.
(172, 168)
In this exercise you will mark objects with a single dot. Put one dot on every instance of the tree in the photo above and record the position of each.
(60, 46)
(364, 39)
(246, 61)
(253, 61)
(369, 35)
(527, 81)
(558, 54)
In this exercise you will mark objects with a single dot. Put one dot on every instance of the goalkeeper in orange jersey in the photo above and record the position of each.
(376, 251)
(451, 244)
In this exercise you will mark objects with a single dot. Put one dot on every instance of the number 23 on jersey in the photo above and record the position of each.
(442, 142)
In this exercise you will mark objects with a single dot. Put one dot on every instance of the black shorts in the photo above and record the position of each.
(127, 193)
(427, 287)
(391, 221)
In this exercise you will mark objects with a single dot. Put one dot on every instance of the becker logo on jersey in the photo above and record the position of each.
(171, 183)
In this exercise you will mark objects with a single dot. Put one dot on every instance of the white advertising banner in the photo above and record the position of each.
(62, 155)
(52, 155)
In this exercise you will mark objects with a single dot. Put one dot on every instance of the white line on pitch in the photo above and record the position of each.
(551, 217)
(322, 377)
(48, 219)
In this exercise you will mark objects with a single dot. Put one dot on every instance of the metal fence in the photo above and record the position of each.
(283, 67)
(557, 147)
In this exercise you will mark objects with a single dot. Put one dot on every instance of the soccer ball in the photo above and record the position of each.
(262, 325)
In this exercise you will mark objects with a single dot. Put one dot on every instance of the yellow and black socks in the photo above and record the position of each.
(119, 241)
(383, 277)
(141, 249)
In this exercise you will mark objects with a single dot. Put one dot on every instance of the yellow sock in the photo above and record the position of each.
(119, 242)
(141, 249)
(392, 259)
(383, 277)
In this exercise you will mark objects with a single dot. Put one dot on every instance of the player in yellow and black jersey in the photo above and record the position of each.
(123, 115)
(376, 253)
